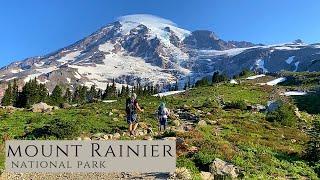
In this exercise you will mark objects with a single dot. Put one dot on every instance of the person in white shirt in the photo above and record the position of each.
(163, 114)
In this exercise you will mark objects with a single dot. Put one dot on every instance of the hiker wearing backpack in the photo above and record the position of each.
(163, 114)
(132, 107)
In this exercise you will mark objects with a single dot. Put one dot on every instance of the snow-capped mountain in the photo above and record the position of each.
(148, 49)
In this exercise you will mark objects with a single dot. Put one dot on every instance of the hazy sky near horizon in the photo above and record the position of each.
(37, 27)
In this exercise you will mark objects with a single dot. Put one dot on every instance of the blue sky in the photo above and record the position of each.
(36, 27)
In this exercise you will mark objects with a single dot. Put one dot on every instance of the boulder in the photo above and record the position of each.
(272, 106)
(176, 123)
(55, 107)
(181, 173)
(206, 175)
(86, 138)
(149, 138)
(149, 130)
(140, 133)
(66, 106)
(202, 123)
(143, 125)
(114, 110)
(297, 113)
(106, 137)
(116, 135)
(98, 135)
(169, 138)
(110, 113)
(222, 170)
(212, 122)
(41, 107)
(180, 141)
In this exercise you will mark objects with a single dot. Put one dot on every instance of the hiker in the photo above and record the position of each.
(131, 109)
(163, 114)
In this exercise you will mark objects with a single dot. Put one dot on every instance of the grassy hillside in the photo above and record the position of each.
(263, 149)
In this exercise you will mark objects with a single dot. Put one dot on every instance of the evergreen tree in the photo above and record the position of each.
(217, 77)
(92, 93)
(203, 82)
(7, 99)
(30, 94)
(56, 96)
(123, 91)
(76, 95)
(67, 96)
(15, 92)
(83, 94)
(176, 86)
(113, 89)
(106, 93)
(127, 91)
(99, 94)
(43, 93)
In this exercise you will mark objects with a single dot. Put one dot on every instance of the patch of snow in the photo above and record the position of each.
(255, 77)
(15, 71)
(290, 59)
(232, 81)
(39, 64)
(69, 80)
(286, 48)
(260, 64)
(297, 65)
(116, 65)
(154, 23)
(229, 52)
(106, 47)
(156, 26)
(69, 57)
(316, 46)
(31, 76)
(40, 72)
(11, 79)
(43, 82)
(47, 70)
(276, 81)
(294, 93)
(168, 93)
(109, 101)
(77, 75)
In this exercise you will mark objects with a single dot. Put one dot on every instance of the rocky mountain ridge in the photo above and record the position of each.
(147, 49)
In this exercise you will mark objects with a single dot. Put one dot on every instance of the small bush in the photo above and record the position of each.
(203, 82)
(317, 168)
(240, 104)
(203, 160)
(63, 129)
(284, 115)
(209, 103)
(55, 128)
(313, 148)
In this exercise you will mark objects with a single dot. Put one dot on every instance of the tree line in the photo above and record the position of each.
(33, 92)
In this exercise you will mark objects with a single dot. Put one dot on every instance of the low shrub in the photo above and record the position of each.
(240, 104)
(284, 115)
(55, 129)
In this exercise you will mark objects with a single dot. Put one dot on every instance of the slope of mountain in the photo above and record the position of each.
(148, 49)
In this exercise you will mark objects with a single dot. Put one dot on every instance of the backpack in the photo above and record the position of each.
(130, 106)
(161, 111)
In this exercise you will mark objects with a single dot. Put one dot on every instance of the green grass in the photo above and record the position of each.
(264, 150)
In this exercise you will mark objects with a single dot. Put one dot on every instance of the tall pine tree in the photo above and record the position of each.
(56, 96)
(7, 99)
(68, 96)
